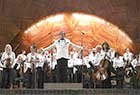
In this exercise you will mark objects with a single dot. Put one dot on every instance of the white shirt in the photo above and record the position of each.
(135, 62)
(1, 69)
(26, 66)
(62, 48)
(91, 57)
(107, 55)
(52, 62)
(118, 62)
(70, 63)
(78, 61)
(128, 56)
(23, 56)
(94, 59)
(16, 62)
(41, 60)
(32, 57)
(86, 61)
(98, 58)
(6, 56)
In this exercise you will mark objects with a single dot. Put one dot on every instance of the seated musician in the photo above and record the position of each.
(119, 65)
(7, 58)
(23, 55)
(15, 70)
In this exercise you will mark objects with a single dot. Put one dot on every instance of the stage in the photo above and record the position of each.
(71, 92)
(68, 89)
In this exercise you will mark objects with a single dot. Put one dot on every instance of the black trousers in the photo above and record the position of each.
(40, 77)
(28, 78)
(6, 78)
(62, 69)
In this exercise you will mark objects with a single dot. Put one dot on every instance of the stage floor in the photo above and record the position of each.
(69, 89)
(72, 92)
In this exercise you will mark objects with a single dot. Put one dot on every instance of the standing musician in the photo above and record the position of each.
(134, 71)
(30, 67)
(7, 60)
(92, 58)
(77, 62)
(40, 69)
(62, 55)
(136, 61)
(70, 68)
(119, 65)
(1, 70)
(106, 65)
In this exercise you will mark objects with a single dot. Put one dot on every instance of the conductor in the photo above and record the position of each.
(62, 55)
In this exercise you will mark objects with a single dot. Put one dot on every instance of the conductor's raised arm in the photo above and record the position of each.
(75, 46)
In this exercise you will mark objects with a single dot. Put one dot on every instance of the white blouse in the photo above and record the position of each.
(6, 56)
(118, 62)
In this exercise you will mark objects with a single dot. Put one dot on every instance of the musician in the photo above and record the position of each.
(92, 59)
(23, 55)
(119, 65)
(1, 70)
(7, 58)
(77, 62)
(106, 51)
(136, 61)
(70, 68)
(48, 66)
(62, 56)
(15, 69)
(40, 69)
(127, 56)
(99, 55)
(30, 66)
(106, 64)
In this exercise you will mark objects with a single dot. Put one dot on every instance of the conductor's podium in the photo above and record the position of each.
(63, 86)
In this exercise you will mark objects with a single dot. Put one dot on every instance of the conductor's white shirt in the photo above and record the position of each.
(62, 48)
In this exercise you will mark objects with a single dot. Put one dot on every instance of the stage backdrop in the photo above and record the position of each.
(16, 16)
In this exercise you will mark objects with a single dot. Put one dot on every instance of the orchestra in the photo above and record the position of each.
(103, 67)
